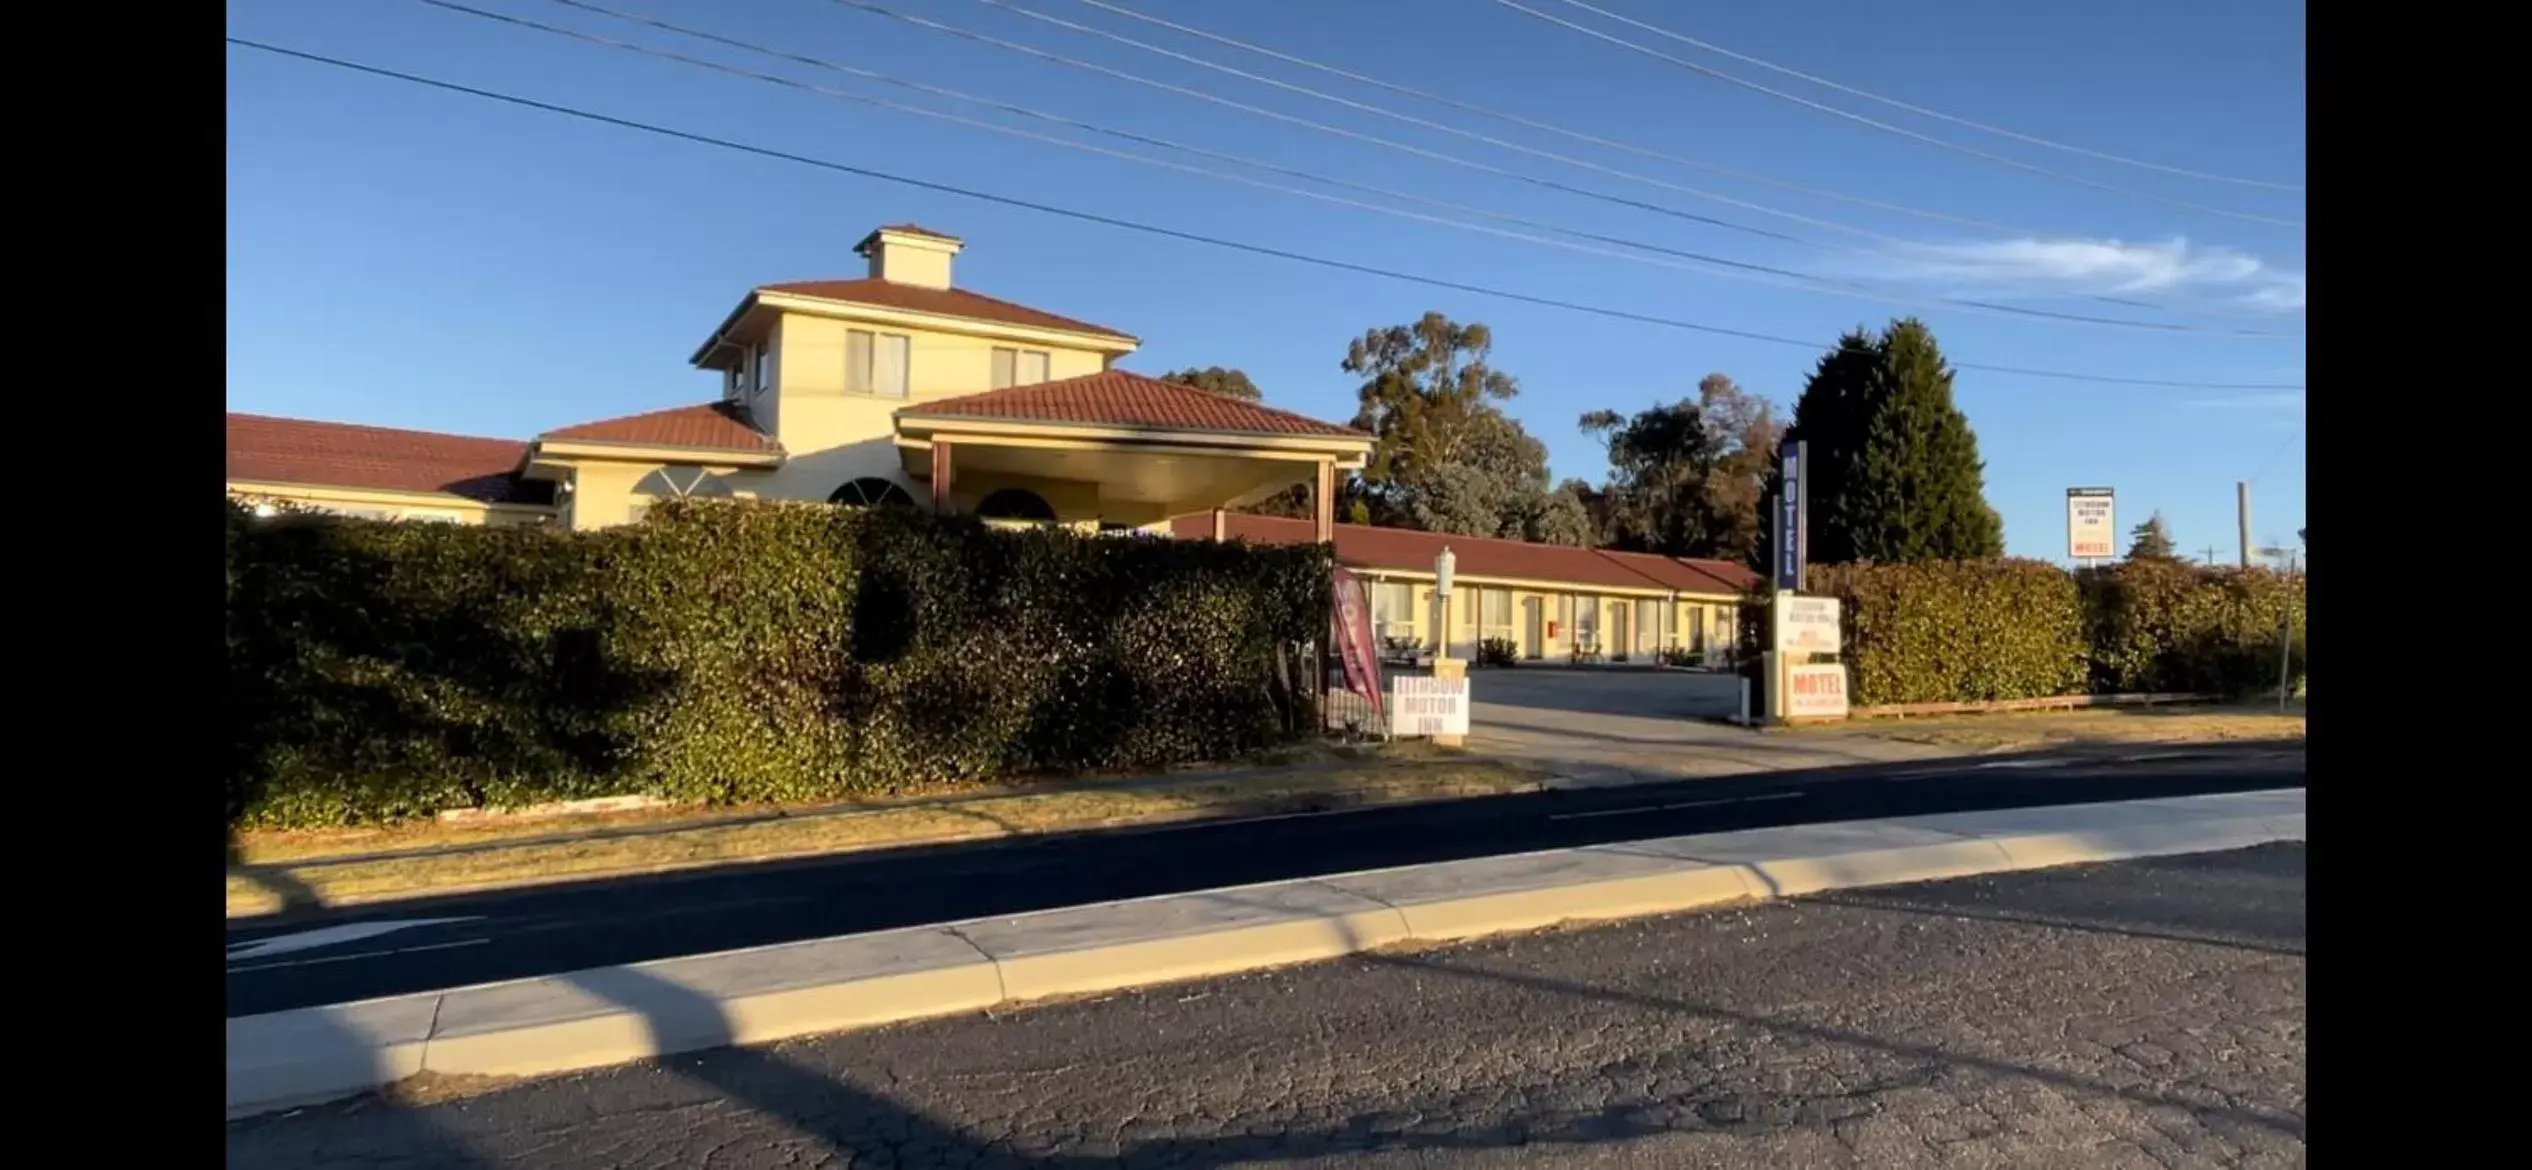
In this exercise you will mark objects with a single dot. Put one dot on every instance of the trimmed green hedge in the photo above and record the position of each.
(1957, 631)
(738, 652)
(1969, 631)
(2173, 626)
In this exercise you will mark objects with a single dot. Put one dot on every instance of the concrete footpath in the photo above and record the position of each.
(593, 1018)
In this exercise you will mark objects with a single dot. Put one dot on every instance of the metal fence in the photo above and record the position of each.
(1344, 712)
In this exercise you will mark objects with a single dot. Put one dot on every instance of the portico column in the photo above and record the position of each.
(940, 475)
(1327, 501)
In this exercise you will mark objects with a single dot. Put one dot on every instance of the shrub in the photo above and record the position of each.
(738, 652)
(2175, 627)
(1498, 652)
(1957, 631)
(1968, 631)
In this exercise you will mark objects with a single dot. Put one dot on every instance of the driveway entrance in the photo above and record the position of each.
(1611, 724)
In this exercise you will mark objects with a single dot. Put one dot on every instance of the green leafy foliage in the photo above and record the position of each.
(1957, 631)
(1221, 380)
(2161, 625)
(1969, 631)
(738, 652)
(2151, 541)
(1895, 474)
(1445, 457)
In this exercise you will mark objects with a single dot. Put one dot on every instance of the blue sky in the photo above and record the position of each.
(408, 257)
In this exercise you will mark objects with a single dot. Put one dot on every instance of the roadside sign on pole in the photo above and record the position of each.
(1806, 625)
(1815, 692)
(2092, 529)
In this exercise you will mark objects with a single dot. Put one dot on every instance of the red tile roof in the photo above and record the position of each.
(1115, 398)
(712, 426)
(1364, 546)
(947, 302)
(1688, 574)
(332, 454)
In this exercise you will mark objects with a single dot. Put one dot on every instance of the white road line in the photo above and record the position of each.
(465, 942)
(1645, 808)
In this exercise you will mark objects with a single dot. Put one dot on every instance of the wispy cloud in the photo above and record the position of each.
(2035, 266)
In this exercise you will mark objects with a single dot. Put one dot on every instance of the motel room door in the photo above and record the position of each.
(1536, 645)
(1621, 637)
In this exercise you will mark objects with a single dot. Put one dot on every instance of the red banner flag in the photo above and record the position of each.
(1355, 649)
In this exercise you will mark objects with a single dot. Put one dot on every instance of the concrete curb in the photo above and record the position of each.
(590, 1019)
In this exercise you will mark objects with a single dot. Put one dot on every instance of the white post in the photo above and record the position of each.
(1744, 720)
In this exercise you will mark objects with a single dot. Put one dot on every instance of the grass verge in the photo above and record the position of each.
(2101, 725)
(287, 870)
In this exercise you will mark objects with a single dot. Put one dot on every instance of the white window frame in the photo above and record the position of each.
(1393, 610)
(862, 376)
(1010, 367)
(1487, 626)
(1585, 632)
(767, 360)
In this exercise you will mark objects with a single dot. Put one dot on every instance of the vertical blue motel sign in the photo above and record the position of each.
(1789, 517)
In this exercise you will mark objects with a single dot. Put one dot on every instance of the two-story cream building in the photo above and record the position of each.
(896, 387)
(902, 388)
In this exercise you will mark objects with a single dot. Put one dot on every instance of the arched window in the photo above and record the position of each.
(1015, 504)
(676, 482)
(871, 492)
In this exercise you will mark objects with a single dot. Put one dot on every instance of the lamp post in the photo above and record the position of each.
(1443, 565)
(1445, 667)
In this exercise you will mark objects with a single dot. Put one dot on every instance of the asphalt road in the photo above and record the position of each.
(361, 953)
(2145, 1014)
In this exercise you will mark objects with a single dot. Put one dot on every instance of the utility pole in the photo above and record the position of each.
(2242, 517)
(2210, 555)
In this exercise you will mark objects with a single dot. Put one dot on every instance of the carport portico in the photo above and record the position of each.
(1115, 450)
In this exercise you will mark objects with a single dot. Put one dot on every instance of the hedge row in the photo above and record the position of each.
(1969, 631)
(738, 652)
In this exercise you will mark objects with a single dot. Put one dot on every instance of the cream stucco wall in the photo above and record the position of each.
(833, 435)
(390, 505)
(1553, 637)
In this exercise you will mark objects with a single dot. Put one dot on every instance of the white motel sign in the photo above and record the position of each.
(1428, 706)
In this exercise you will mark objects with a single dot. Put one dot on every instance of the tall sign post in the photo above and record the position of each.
(1799, 627)
(1448, 688)
(2092, 526)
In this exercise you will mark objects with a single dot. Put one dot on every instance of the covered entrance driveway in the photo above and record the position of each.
(1117, 450)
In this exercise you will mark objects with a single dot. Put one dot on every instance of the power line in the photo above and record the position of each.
(1699, 262)
(1562, 131)
(1902, 131)
(2280, 449)
(1418, 151)
(1169, 232)
(2199, 308)
(1922, 111)
(1295, 120)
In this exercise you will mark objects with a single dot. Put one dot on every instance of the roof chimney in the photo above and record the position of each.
(905, 253)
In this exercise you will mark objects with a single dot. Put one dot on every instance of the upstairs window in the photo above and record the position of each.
(875, 363)
(1018, 367)
(765, 358)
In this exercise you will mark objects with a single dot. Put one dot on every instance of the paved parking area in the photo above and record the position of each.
(1612, 724)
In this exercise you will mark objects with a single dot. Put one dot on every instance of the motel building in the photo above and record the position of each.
(901, 388)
